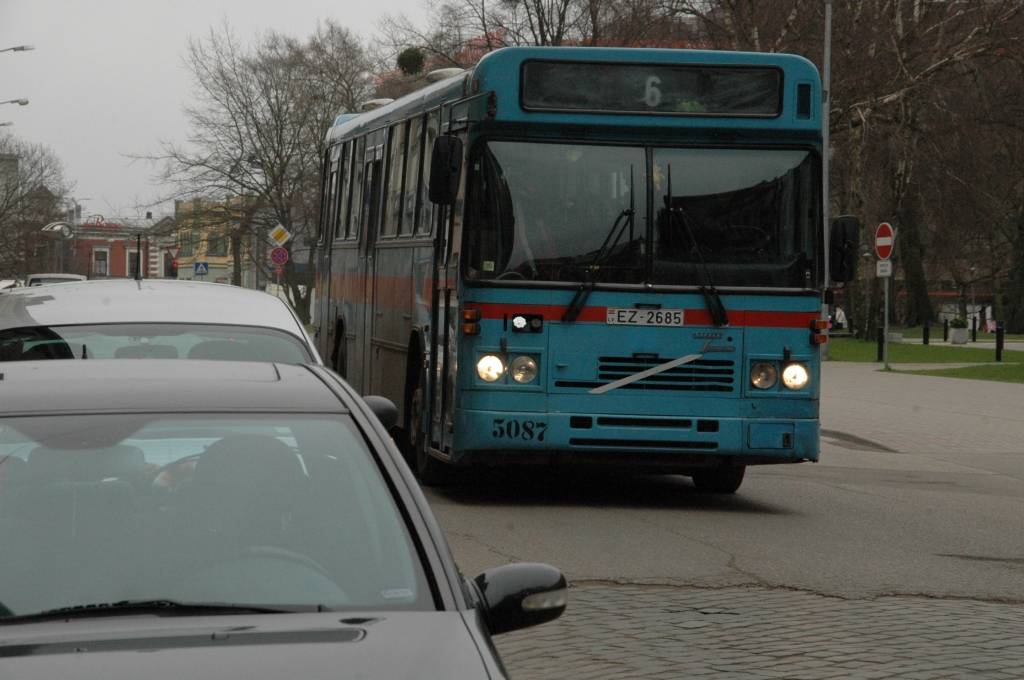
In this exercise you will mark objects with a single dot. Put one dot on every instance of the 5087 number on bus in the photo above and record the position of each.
(524, 430)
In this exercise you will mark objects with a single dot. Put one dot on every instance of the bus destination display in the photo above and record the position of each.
(663, 89)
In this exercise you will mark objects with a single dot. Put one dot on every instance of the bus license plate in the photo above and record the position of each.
(644, 317)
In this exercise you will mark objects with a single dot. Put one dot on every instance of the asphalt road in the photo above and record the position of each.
(919, 493)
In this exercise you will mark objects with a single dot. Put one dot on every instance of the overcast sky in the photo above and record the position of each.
(106, 77)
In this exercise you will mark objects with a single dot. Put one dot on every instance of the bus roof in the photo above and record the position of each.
(500, 71)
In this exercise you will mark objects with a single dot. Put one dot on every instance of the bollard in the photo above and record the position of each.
(926, 332)
(974, 329)
(881, 344)
(1000, 335)
(945, 330)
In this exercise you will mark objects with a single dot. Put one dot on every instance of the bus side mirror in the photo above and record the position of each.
(844, 240)
(445, 168)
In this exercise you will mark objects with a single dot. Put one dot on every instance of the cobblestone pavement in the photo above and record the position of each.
(613, 631)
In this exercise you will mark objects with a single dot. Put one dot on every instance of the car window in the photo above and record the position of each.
(263, 509)
(152, 341)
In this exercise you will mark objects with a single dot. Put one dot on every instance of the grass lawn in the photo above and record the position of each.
(999, 372)
(1010, 370)
(915, 332)
(849, 349)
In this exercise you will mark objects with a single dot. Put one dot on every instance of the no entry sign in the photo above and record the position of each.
(885, 238)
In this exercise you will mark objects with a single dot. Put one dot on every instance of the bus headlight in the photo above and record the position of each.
(764, 375)
(524, 369)
(490, 368)
(795, 376)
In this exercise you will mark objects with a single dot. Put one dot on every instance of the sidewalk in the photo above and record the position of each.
(922, 414)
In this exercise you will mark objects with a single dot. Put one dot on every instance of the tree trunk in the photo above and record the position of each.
(1013, 294)
(912, 253)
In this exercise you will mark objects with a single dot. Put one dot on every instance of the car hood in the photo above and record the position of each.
(337, 645)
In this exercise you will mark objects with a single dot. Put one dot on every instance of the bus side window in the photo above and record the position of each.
(324, 196)
(426, 218)
(341, 226)
(395, 174)
(332, 190)
(355, 219)
(412, 175)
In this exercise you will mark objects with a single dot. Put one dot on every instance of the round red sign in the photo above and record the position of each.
(279, 256)
(885, 239)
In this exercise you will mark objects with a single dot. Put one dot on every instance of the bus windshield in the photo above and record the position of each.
(578, 213)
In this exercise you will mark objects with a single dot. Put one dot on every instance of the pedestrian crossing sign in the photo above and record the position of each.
(202, 268)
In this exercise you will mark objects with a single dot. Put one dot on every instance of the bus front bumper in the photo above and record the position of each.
(672, 443)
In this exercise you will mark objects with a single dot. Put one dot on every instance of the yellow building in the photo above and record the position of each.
(205, 231)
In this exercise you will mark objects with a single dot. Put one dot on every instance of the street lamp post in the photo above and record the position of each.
(64, 231)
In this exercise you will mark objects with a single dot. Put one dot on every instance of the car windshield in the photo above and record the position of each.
(573, 212)
(151, 341)
(283, 510)
(43, 280)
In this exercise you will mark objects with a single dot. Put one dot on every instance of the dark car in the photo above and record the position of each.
(230, 520)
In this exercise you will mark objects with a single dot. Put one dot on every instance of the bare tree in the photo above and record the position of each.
(32, 190)
(257, 127)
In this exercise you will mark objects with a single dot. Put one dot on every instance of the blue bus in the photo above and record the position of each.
(587, 256)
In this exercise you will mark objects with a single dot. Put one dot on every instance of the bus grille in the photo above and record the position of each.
(702, 375)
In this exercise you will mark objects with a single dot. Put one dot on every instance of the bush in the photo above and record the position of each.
(411, 61)
(958, 322)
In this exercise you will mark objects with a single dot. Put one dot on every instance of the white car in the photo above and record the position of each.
(47, 279)
(150, 319)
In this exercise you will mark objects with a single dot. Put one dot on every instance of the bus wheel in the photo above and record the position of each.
(723, 479)
(429, 470)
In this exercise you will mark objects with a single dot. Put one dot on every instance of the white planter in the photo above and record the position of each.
(958, 336)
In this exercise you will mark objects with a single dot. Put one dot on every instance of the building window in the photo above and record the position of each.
(131, 263)
(100, 262)
(216, 245)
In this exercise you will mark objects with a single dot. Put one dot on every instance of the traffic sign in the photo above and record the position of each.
(201, 268)
(883, 268)
(280, 235)
(279, 256)
(885, 239)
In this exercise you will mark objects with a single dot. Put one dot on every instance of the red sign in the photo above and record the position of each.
(279, 256)
(885, 239)
(278, 271)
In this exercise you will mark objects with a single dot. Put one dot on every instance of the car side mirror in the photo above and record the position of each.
(844, 240)
(445, 169)
(521, 595)
(384, 409)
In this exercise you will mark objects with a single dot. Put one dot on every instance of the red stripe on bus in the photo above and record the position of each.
(692, 317)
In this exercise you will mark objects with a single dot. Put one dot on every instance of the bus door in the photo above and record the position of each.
(373, 160)
(445, 316)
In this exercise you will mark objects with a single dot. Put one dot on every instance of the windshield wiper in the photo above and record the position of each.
(158, 607)
(623, 220)
(719, 317)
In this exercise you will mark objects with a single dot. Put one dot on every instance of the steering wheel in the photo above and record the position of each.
(255, 573)
(510, 274)
(271, 552)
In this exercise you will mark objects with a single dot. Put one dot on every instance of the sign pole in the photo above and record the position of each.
(885, 325)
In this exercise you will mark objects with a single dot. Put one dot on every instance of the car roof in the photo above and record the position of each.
(147, 301)
(163, 386)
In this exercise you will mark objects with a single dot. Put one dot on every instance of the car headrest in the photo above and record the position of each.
(223, 350)
(146, 352)
(84, 465)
